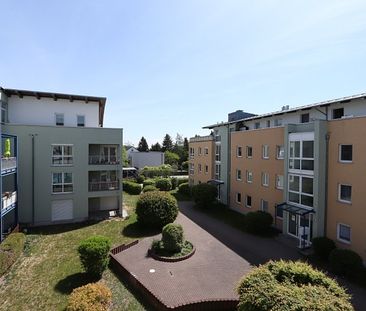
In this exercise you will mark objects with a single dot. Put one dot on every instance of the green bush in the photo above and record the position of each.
(163, 184)
(140, 179)
(290, 286)
(157, 171)
(90, 297)
(150, 188)
(149, 182)
(156, 209)
(174, 182)
(94, 255)
(182, 181)
(258, 222)
(10, 250)
(345, 262)
(322, 247)
(185, 165)
(184, 189)
(204, 194)
(131, 187)
(172, 237)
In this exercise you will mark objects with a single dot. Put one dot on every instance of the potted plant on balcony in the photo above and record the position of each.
(7, 151)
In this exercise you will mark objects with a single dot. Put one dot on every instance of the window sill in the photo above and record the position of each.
(62, 192)
(344, 241)
(345, 202)
(345, 162)
(58, 165)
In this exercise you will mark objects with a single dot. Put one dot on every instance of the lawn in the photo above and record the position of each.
(44, 276)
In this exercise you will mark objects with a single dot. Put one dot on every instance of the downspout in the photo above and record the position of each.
(228, 165)
(33, 178)
(327, 137)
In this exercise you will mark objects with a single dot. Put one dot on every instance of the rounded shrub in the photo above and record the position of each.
(131, 187)
(258, 222)
(323, 246)
(173, 237)
(290, 286)
(184, 189)
(150, 188)
(90, 297)
(204, 194)
(174, 181)
(345, 262)
(140, 179)
(182, 181)
(156, 209)
(94, 255)
(163, 184)
(148, 182)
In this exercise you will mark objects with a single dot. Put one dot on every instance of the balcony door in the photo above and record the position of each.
(109, 154)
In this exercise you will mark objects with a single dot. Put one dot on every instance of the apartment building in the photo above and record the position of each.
(67, 166)
(303, 165)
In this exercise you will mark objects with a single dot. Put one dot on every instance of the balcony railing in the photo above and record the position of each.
(104, 186)
(103, 160)
(9, 200)
(8, 165)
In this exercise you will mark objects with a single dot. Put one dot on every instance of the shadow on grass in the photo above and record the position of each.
(135, 230)
(68, 284)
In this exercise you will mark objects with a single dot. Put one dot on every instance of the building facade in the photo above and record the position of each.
(302, 165)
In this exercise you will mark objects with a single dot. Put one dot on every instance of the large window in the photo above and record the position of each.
(345, 153)
(248, 201)
(206, 151)
(249, 177)
(199, 151)
(62, 155)
(218, 153)
(278, 122)
(59, 119)
(238, 197)
(264, 205)
(257, 125)
(199, 168)
(300, 190)
(345, 193)
(191, 168)
(191, 153)
(344, 233)
(305, 118)
(265, 152)
(301, 155)
(206, 169)
(62, 183)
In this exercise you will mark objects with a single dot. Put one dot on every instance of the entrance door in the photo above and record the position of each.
(292, 224)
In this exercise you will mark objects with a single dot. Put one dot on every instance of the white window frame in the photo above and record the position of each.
(191, 152)
(63, 118)
(280, 148)
(62, 156)
(237, 197)
(237, 151)
(206, 169)
(199, 151)
(247, 152)
(262, 204)
(265, 152)
(77, 120)
(218, 153)
(62, 184)
(246, 201)
(301, 137)
(277, 182)
(238, 175)
(249, 175)
(199, 168)
(340, 153)
(191, 168)
(339, 193)
(217, 171)
(339, 238)
(265, 179)
(300, 193)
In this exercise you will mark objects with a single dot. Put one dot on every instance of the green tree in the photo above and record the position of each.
(167, 143)
(155, 147)
(171, 158)
(186, 144)
(143, 146)
(124, 157)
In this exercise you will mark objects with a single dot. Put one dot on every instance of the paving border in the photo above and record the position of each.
(154, 255)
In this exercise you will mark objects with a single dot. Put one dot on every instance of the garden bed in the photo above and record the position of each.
(187, 251)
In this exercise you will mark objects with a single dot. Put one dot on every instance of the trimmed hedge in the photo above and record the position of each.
(204, 194)
(290, 286)
(184, 189)
(345, 262)
(149, 182)
(173, 237)
(131, 187)
(157, 171)
(174, 181)
(182, 181)
(10, 250)
(150, 188)
(156, 209)
(94, 255)
(323, 246)
(90, 297)
(163, 184)
(258, 222)
(140, 179)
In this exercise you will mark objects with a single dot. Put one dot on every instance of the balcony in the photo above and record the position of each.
(103, 181)
(103, 154)
(103, 160)
(104, 185)
(9, 154)
(9, 201)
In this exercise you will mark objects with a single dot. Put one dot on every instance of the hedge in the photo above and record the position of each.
(90, 297)
(163, 184)
(290, 286)
(10, 250)
(157, 171)
(172, 237)
(322, 247)
(182, 181)
(174, 181)
(184, 189)
(345, 262)
(131, 187)
(149, 182)
(258, 222)
(150, 188)
(156, 209)
(140, 179)
(204, 194)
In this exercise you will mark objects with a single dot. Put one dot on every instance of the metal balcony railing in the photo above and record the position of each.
(103, 160)
(104, 186)
(8, 164)
(8, 200)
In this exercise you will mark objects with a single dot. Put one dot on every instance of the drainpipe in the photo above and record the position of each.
(327, 138)
(228, 165)
(33, 179)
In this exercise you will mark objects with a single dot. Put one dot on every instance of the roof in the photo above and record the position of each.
(55, 96)
(298, 210)
(305, 107)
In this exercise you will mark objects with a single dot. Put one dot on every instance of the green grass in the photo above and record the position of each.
(43, 277)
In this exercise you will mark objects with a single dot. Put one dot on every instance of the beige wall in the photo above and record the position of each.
(204, 160)
(273, 166)
(348, 131)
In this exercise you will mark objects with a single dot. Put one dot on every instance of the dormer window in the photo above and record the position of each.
(59, 119)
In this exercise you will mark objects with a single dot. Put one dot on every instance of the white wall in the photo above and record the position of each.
(142, 159)
(32, 111)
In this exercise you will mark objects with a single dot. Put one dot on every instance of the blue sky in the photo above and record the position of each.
(175, 66)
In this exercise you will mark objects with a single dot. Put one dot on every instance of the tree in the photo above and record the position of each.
(179, 140)
(155, 147)
(167, 143)
(143, 146)
(186, 144)
(171, 158)
(124, 157)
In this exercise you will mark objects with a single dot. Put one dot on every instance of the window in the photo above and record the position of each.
(62, 155)
(206, 151)
(206, 169)
(199, 168)
(238, 174)
(279, 181)
(301, 155)
(305, 118)
(249, 152)
(345, 193)
(81, 120)
(344, 233)
(264, 205)
(4, 112)
(191, 168)
(191, 152)
(338, 113)
(218, 153)
(257, 125)
(239, 152)
(265, 179)
(217, 171)
(280, 152)
(265, 152)
(268, 123)
(62, 183)
(199, 151)
(278, 122)
(249, 177)
(248, 201)
(279, 212)
(345, 153)
(238, 197)
(59, 119)
(300, 190)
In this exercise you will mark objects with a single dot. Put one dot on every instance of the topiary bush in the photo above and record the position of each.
(149, 182)
(290, 286)
(204, 194)
(163, 184)
(90, 297)
(156, 209)
(184, 189)
(345, 262)
(182, 181)
(258, 222)
(140, 179)
(174, 181)
(131, 187)
(164, 170)
(10, 250)
(94, 255)
(173, 237)
(322, 247)
(150, 188)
